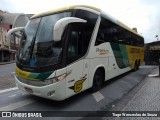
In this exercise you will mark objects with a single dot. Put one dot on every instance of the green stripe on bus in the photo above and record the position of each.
(120, 54)
(124, 54)
(33, 75)
(45, 75)
(40, 76)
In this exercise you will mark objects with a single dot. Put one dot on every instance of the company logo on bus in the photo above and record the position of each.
(78, 84)
(102, 51)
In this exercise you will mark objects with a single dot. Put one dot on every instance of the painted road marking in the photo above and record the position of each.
(143, 66)
(17, 105)
(98, 96)
(12, 74)
(155, 75)
(7, 90)
(12, 95)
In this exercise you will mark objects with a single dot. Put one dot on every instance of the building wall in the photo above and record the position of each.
(3, 32)
(153, 45)
(1, 17)
(7, 21)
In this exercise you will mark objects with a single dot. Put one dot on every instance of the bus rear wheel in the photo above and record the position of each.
(136, 66)
(97, 81)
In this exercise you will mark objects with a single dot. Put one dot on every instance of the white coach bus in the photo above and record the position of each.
(63, 52)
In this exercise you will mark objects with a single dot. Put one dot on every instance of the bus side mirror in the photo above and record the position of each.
(12, 31)
(61, 24)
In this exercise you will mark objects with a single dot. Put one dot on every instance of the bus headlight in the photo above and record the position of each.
(55, 79)
(50, 81)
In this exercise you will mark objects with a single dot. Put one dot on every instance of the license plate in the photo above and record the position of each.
(28, 90)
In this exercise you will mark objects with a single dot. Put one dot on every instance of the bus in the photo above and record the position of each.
(66, 51)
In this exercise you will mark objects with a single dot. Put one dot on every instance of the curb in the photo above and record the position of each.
(3, 63)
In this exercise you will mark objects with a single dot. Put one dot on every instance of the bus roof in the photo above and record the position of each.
(64, 8)
(107, 16)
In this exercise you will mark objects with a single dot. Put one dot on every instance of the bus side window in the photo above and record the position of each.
(100, 38)
(105, 32)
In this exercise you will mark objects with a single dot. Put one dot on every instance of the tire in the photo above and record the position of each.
(136, 66)
(97, 81)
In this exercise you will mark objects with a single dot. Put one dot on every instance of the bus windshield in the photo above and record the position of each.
(37, 46)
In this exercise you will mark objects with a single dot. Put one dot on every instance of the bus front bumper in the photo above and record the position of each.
(55, 91)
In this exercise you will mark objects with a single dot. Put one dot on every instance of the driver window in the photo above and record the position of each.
(75, 44)
(78, 41)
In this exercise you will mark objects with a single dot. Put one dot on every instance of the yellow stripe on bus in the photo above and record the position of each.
(22, 73)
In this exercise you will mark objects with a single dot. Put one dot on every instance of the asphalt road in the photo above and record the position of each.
(7, 69)
(6, 79)
(105, 99)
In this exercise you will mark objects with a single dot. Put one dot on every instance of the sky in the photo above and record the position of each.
(142, 14)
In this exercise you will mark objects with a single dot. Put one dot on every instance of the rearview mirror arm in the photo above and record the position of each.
(61, 24)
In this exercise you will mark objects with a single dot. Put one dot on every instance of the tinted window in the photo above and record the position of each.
(45, 30)
(111, 32)
(105, 33)
(89, 16)
(79, 39)
(80, 35)
(75, 44)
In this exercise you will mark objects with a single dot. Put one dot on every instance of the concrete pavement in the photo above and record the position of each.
(7, 82)
(145, 97)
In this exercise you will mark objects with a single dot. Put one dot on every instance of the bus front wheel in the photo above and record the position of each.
(97, 81)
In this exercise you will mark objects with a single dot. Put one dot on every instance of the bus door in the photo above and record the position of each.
(77, 65)
(78, 78)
